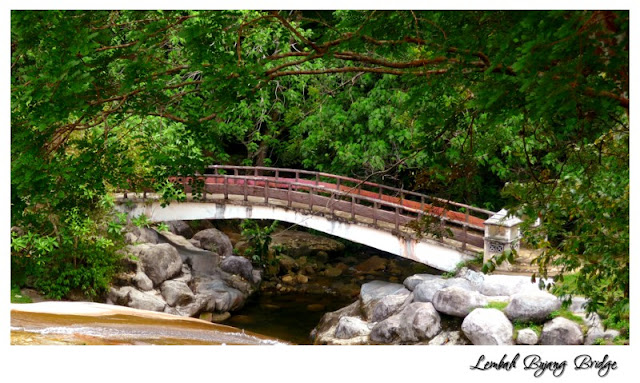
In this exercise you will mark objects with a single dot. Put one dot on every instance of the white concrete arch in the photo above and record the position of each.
(432, 253)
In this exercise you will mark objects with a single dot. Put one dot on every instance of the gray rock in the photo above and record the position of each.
(488, 327)
(349, 327)
(177, 241)
(185, 274)
(611, 334)
(130, 238)
(324, 332)
(195, 243)
(217, 295)
(145, 235)
(215, 240)
(458, 301)
(176, 293)
(419, 321)
(389, 305)
(180, 228)
(475, 278)
(142, 281)
(506, 285)
(578, 304)
(593, 334)
(414, 280)
(425, 291)
(159, 262)
(449, 338)
(241, 266)
(561, 331)
(145, 301)
(372, 292)
(532, 306)
(119, 295)
(386, 332)
(527, 336)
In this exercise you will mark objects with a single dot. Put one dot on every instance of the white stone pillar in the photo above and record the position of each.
(501, 232)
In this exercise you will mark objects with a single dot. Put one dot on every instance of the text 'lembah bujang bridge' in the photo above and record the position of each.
(375, 215)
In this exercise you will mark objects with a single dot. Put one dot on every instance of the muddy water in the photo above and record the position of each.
(120, 327)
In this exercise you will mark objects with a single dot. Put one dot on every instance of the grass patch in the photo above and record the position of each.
(519, 325)
(566, 314)
(497, 305)
(17, 297)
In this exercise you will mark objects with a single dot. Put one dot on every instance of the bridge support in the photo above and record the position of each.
(501, 233)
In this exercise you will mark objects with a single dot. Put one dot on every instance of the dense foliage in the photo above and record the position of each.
(525, 110)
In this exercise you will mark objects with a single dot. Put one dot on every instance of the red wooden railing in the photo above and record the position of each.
(387, 207)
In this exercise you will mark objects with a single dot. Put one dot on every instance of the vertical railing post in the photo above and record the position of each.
(266, 191)
(422, 202)
(311, 198)
(331, 202)
(375, 210)
(353, 203)
(465, 228)
(245, 182)
(289, 195)
(226, 187)
(397, 218)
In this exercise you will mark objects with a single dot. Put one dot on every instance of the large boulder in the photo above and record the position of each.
(425, 291)
(324, 332)
(300, 244)
(159, 262)
(561, 331)
(457, 301)
(534, 306)
(420, 321)
(217, 295)
(412, 281)
(371, 294)
(180, 228)
(389, 305)
(142, 281)
(241, 266)
(176, 293)
(145, 301)
(386, 332)
(488, 327)
(506, 285)
(215, 240)
(350, 327)
(145, 235)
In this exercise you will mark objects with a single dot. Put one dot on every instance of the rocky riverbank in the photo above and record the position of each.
(492, 310)
(191, 270)
(169, 273)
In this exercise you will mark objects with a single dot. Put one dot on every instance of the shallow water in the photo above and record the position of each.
(46, 328)
(286, 316)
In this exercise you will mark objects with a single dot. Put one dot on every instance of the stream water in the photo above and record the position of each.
(287, 316)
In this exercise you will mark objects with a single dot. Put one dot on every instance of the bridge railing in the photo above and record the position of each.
(385, 207)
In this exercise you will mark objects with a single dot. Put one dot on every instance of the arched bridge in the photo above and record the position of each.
(368, 213)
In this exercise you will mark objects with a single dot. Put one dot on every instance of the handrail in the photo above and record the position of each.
(269, 180)
(379, 203)
(354, 180)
